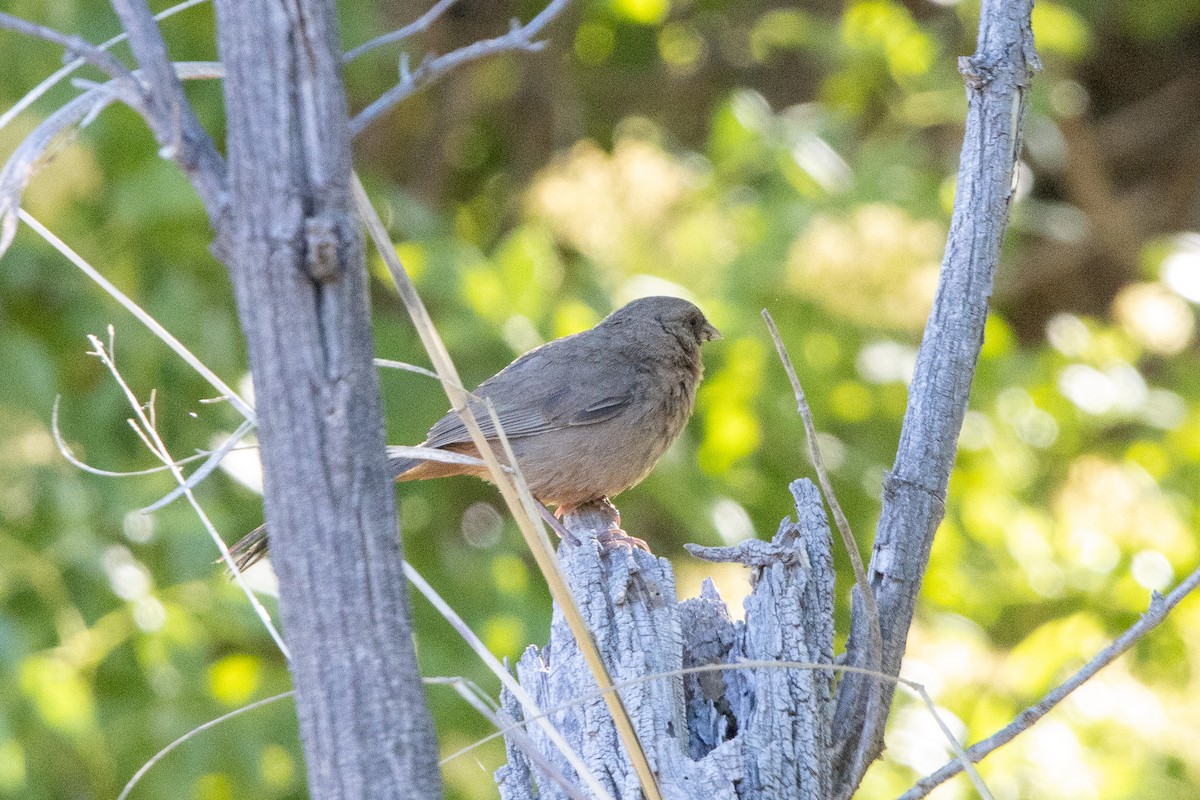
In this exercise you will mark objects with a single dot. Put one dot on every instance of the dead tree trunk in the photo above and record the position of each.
(753, 732)
(775, 732)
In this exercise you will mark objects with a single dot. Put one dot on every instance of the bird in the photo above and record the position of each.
(587, 415)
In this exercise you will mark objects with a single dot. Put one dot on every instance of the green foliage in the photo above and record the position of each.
(798, 159)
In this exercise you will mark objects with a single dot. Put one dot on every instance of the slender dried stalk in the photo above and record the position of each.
(529, 524)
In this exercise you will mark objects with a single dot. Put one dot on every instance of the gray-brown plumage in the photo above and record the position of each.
(587, 416)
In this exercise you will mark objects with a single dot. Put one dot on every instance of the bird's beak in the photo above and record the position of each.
(709, 332)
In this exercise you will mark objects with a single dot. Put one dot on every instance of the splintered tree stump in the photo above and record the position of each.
(749, 732)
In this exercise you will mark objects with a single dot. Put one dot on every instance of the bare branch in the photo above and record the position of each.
(64, 72)
(432, 69)
(873, 652)
(74, 45)
(437, 454)
(1160, 607)
(179, 133)
(505, 677)
(401, 365)
(997, 79)
(814, 455)
(419, 25)
(212, 723)
(205, 469)
(144, 428)
(65, 451)
(28, 157)
(501, 720)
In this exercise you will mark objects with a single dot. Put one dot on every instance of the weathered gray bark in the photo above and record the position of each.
(758, 733)
(295, 252)
(914, 492)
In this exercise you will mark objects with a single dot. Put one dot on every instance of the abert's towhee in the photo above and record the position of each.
(587, 415)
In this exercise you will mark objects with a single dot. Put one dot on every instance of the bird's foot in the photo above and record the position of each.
(616, 539)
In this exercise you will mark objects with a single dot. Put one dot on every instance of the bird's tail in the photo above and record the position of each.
(398, 465)
(250, 549)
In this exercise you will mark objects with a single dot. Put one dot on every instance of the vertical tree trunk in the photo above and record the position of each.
(914, 492)
(296, 258)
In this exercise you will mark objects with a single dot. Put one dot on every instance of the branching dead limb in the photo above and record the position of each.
(997, 79)
(519, 37)
(419, 25)
(77, 46)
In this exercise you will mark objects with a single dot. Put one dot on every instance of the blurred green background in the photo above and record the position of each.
(798, 157)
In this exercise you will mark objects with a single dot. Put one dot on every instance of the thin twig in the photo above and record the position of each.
(64, 449)
(916, 688)
(419, 25)
(388, 363)
(436, 454)
(76, 46)
(501, 720)
(814, 455)
(212, 723)
(133, 308)
(432, 69)
(843, 525)
(533, 510)
(959, 754)
(205, 469)
(529, 524)
(461, 684)
(149, 435)
(1160, 607)
(65, 71)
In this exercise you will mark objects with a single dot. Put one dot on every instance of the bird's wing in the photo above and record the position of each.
(548, 389)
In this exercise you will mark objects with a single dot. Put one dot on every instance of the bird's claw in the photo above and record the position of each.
(616, 539)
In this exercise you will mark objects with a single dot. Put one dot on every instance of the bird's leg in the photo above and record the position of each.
(553, 521)
(614, 537)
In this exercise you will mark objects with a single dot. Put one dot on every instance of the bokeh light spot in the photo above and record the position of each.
(235, 678)
(509, 574)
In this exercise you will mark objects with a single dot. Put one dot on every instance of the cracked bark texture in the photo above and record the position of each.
(748, 733)
(296, 259)
(914, 491)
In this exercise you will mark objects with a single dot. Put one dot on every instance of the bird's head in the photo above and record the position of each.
(677, 316)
